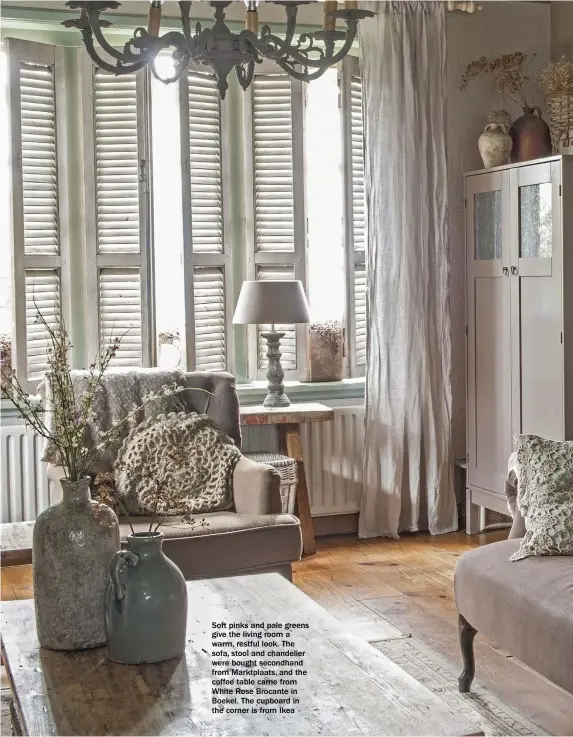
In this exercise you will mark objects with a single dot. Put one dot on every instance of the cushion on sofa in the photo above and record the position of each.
(231, 543)
(545, 496)
(527, 608)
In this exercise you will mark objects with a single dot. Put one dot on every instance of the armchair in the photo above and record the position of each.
(252, 537)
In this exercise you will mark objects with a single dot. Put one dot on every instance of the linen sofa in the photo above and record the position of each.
(525, 606)
(252, 537)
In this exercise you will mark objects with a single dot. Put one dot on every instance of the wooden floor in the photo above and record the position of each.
(386, 589)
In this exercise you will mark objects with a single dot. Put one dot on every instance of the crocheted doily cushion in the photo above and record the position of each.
(181, 456)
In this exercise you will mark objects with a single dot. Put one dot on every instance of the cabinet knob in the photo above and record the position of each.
(514, 270)
(505, 271)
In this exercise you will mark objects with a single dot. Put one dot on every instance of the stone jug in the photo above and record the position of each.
(531, 136)
(495, 145)
(74, 542)
(146, 603)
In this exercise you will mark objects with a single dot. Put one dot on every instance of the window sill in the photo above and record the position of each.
(348, 389)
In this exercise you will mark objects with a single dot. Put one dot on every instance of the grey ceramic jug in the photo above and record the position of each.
(146, 603)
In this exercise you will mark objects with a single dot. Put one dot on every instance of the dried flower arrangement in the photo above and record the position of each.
(330, 331)
(5, 363)
(557, 78)
(68, 430)
(501, 117)
(506, 73)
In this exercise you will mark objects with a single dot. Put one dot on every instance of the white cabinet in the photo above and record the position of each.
(519, 270)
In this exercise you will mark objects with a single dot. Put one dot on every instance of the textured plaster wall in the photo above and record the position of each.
(501, 27)
(562, 29)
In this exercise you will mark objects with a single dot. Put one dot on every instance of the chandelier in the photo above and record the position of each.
(217, 48)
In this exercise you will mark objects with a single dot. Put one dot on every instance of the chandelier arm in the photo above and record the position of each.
(95, 26)
(117, 68)
(269, 45)
(305, 76)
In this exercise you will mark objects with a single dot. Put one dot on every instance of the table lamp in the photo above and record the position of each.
(272, 302)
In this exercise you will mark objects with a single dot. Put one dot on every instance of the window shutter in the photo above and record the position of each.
(118, 206)
(39, 246)
(207, 255)
(276, 220)
(354, 215)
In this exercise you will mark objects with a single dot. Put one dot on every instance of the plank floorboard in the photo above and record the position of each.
(387, 589)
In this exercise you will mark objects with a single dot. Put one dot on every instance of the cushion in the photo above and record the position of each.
(526, 609)
(230, 543)
(545, 496)
(176, 464)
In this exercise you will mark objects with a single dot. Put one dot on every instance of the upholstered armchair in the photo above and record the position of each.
(252, 537)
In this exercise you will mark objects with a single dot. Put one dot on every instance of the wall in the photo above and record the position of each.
(562, 29)
(501, 27)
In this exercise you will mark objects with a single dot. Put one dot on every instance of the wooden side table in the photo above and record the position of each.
(288, 421)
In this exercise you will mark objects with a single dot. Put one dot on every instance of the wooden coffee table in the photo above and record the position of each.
(350, 689)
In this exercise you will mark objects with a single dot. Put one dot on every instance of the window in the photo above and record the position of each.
(184, 196)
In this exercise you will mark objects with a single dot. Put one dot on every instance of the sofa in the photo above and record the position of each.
(253, 537)
(525, 606)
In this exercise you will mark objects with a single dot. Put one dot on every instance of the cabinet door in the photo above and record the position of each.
(536, 300)
(488, 328)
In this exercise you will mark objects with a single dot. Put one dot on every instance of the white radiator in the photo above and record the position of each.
(332, 453)
(25, 488)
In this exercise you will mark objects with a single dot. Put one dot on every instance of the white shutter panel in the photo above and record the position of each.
(120, 314)
(39, 249)
(209, 295)
(273, 162)
(118, 207)
(43, 296)
(276, 219)
(207, 255)
(354, 216)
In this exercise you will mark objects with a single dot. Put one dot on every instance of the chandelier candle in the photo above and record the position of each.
(217, 48)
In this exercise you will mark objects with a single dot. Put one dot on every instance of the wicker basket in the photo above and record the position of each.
(560, 106)
(288, 471)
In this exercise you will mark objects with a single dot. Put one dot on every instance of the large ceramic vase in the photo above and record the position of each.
(146, 605)
(531, 136)
(74, 542)
(495, 145)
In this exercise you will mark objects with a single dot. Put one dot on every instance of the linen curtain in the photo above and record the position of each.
(407, 464)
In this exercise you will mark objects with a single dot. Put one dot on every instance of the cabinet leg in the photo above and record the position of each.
(472, 515)
(290, 444)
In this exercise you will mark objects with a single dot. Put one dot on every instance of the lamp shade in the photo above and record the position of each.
(271, 302)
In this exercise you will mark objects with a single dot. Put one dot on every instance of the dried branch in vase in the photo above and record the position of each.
(506, 74)
(69, 427)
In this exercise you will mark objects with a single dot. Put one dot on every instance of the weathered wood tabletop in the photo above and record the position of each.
(351, 688)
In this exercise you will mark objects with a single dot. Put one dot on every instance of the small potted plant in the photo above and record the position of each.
(326, 351)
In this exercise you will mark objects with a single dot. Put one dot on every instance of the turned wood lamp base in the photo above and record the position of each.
(276, 396)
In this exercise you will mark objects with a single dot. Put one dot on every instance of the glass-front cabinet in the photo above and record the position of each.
(519, 311)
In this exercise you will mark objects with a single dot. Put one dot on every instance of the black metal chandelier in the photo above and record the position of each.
(217, 48)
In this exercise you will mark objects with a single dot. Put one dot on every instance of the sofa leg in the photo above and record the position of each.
(467, 634)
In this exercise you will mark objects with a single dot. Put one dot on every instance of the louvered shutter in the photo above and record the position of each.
(39, 248)
(207, 255)
(276, 220)
(354, 215)
(118, 205)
